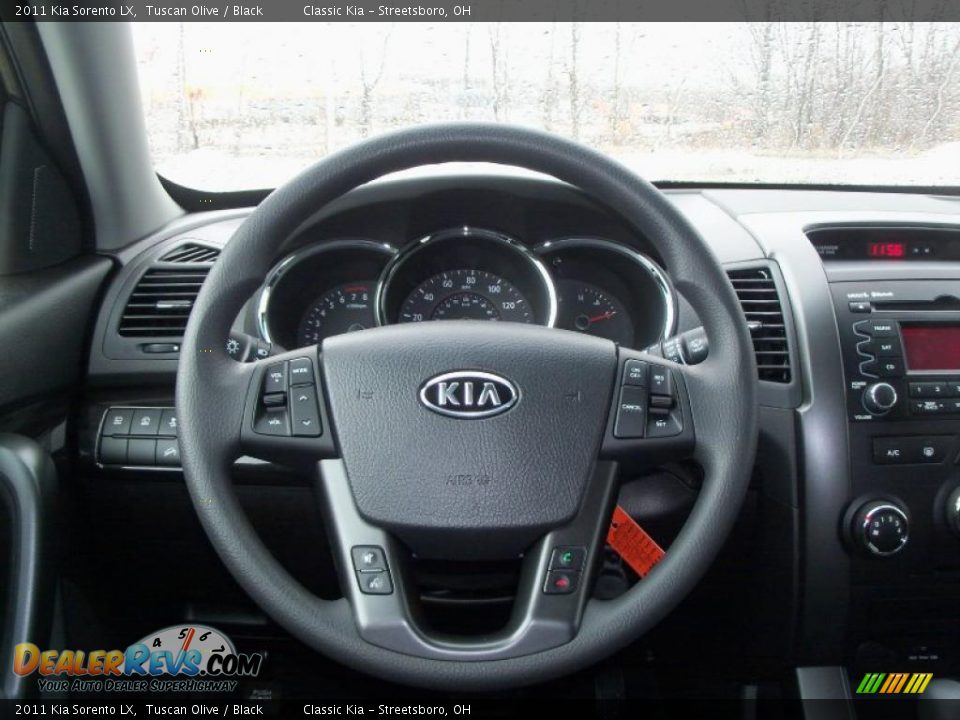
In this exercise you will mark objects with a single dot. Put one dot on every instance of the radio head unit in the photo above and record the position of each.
(901, 348)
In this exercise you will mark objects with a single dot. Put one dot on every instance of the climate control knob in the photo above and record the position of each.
(953, 511)
(879, 398)
(881, 528)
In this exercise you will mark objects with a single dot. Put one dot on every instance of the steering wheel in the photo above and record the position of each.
(533, 479)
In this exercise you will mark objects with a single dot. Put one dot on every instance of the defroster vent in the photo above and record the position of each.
(191, 253)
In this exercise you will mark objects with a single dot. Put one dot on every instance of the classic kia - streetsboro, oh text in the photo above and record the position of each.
(436, 710)
(328, 11)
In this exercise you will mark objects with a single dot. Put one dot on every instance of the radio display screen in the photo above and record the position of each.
(931, 346)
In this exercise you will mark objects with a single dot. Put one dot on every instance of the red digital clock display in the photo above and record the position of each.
(887, 250)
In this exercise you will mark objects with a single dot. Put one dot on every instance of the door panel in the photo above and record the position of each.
(28, 484)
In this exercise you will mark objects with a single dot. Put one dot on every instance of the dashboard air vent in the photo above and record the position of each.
(191, 253)
(757, 292)
(161, 302)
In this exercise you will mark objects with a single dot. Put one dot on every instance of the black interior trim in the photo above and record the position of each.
(21, 43)
(28, 489)
(194, 200)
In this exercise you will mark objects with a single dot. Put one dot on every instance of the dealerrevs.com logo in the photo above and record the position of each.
(180, 658)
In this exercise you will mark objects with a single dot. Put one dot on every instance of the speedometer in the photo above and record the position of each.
(466, 273)
(466, 295)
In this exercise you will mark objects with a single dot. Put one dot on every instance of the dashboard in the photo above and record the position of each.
(590, 285)
(852, 300)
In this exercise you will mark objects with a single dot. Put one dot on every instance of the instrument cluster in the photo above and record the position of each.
(588, 285)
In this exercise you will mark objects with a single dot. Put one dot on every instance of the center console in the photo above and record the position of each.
(899, 328)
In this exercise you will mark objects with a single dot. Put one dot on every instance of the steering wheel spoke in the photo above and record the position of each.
(556, 576)
(650, 419)
(285, 417)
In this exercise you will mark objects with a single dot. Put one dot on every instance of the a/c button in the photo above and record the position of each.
(891, 451)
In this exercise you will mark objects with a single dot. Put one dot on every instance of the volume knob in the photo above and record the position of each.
(879, 398)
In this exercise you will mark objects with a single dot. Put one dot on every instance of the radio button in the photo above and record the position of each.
(928, 390)
(928, 407)
(876, 328)
(889, 367)
(953, 389)
(859, 306)
(883, 347)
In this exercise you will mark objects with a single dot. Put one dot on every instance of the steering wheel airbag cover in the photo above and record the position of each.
(461, 488)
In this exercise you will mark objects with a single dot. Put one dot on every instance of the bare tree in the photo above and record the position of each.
(499, 71)
(862, 105)
(615, 99)
(187, 138)
(550, 95)
(762, 56)
(464, 106)
(940, 95)
(328, 110)
(573, 80)
(800, 46)
(369, 82)
(674, 102)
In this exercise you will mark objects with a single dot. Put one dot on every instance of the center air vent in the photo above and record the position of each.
(191, 253)
(161, 302)
(757, 292)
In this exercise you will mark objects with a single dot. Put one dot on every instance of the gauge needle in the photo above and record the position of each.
(603, 316)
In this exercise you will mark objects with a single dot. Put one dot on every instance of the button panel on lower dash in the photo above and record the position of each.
(139, 437)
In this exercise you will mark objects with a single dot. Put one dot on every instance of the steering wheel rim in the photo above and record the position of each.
(212, 404)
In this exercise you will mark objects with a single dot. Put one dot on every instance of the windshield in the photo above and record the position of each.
(242, 106)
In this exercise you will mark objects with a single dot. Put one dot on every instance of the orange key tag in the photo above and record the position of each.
(638, 550)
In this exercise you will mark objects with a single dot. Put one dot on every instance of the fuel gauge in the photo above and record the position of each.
(588, 309)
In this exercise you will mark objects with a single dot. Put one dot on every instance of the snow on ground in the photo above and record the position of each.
(218, 170)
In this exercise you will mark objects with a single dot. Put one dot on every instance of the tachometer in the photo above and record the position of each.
(345, 308)
(588, 309)
(466, 295)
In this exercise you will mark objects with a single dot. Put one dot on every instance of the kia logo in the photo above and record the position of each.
(468, 394)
